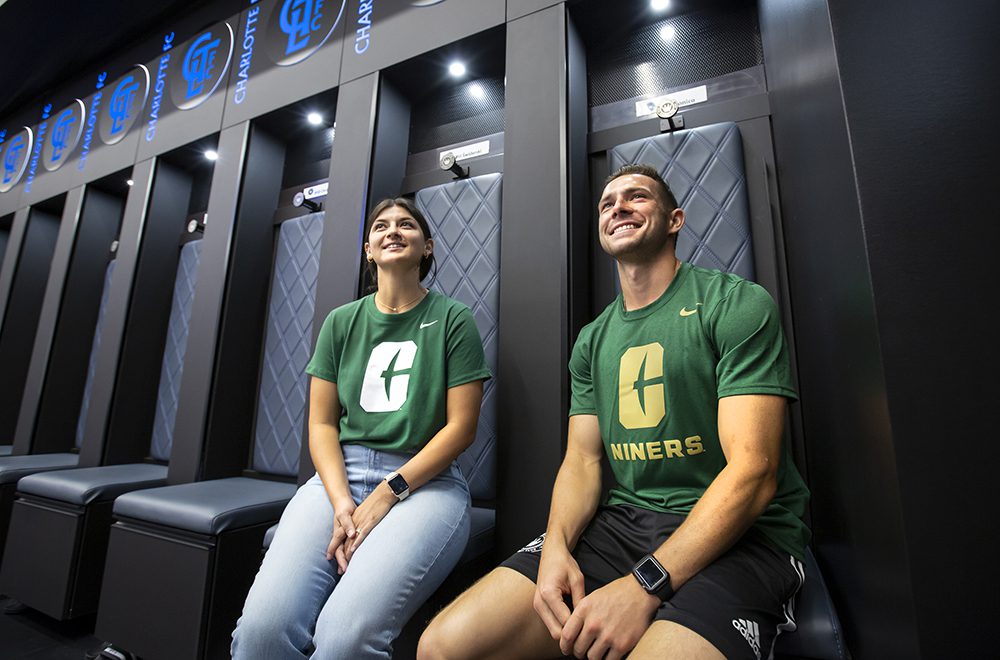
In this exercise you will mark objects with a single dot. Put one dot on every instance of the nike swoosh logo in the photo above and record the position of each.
(688, 312)
(424, 325)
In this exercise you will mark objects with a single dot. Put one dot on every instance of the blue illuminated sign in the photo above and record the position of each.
(121, 103)
(15, 158)
(299, 19)
(66, 131)
(127, 99)
(198, 64)
(12, 157)
(205, 63)
(298, 28)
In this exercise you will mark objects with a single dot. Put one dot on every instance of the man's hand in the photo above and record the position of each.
(370, 513)
(343, 530)
(609, 622)
(558, 576)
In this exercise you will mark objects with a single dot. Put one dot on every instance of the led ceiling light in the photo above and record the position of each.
(457, 69)
(130, 182)
(659, 5)
(211, 155)
(314, 118)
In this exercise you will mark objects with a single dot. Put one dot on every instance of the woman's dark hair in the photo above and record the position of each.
(426, 263)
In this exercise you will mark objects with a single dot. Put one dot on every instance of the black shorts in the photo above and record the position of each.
(740, 602)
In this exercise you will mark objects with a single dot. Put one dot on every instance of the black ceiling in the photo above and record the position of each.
(45, 45)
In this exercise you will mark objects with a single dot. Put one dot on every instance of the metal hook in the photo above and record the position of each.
(448, 162)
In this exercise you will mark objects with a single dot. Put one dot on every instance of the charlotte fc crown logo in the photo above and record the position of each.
(66, 131)
(10, 160)
(298, 28)
(128, 97)
(205, 64)
(15, 158)
(199, 62)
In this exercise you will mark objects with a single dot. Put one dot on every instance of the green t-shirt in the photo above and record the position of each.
(393, 371)
(653, 377)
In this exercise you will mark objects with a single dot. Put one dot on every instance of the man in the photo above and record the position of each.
(682, 381)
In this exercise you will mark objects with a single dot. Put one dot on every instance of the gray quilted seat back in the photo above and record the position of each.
(81, 422)
(172, 366)
(465, 220)
(284, 385)
(704, 167)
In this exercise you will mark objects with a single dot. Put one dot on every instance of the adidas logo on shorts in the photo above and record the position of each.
(534, 546)
(751, 632)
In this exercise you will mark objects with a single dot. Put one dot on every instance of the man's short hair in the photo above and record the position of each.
(652, 173)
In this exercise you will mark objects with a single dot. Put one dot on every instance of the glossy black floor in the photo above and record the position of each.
(34, 636)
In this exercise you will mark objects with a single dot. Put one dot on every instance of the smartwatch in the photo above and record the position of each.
(398, 485)
(653, 578)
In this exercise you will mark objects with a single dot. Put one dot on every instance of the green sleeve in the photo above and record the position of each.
(582, 385)
(324, 361)
(465, 361)
(753, 356)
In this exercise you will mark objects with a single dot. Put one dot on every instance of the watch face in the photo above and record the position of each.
(650, 573)
(398, 484)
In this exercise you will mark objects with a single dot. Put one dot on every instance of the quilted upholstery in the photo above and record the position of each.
(94, 345)
(287, 347)
(465, 221)
(173, 352)
(704, 167)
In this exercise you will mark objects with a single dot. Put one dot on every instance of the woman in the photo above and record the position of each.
(395, 395)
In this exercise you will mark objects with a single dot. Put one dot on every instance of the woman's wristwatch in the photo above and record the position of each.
(398, 485)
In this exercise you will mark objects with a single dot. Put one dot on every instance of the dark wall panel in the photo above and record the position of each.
(921, 106)
(21, 319)
(534, 330)
(855, 505)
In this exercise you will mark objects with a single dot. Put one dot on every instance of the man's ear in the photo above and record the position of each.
(676, 220)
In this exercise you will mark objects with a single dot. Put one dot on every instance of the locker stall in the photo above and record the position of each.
(29, 259)
(245, 463)
(683, 89)
(5, 222)
(50, 410)
(60, 522)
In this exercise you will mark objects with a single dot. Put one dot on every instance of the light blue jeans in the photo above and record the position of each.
(299, 607)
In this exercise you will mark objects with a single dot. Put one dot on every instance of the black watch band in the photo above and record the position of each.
(653, 578)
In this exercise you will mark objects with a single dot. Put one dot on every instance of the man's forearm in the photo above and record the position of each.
(729, 506)
(575, 497)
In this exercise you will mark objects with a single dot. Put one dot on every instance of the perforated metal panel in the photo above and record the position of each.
(281, 404)
(630, 55)
(704, 167)
(92, 364)
(458, 113)
(465, 220)
(172, 367)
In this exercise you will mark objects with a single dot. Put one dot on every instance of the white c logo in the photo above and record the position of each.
(387, 376)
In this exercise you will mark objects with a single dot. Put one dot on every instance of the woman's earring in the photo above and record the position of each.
(370, 257)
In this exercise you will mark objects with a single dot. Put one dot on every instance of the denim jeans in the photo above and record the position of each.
(299, 607)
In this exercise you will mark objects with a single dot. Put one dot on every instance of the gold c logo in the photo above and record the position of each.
(640, 387)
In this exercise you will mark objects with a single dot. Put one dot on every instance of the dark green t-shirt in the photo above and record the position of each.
(393, 371)
(653, 377)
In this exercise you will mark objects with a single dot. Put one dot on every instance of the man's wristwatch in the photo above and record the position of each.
(653, 578)
(398, 485)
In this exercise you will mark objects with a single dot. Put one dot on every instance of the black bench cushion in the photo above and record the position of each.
(13, 468)
(95, 484)
(208, 507)
(6, 449)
